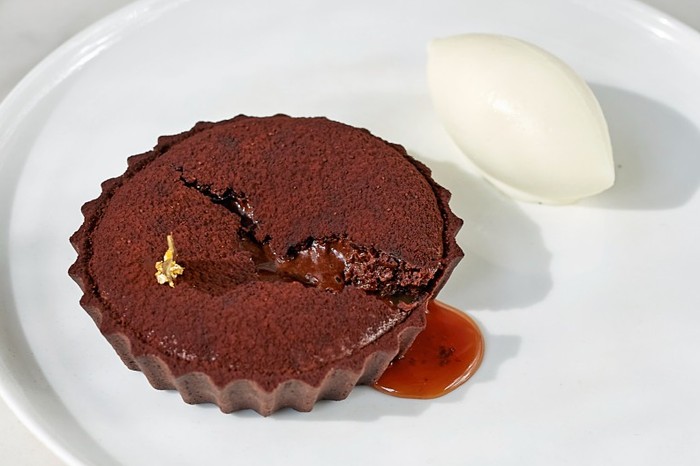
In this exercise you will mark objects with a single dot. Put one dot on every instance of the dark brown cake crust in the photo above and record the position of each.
(256, 207)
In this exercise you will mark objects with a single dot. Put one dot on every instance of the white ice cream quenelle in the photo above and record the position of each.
(524, 118)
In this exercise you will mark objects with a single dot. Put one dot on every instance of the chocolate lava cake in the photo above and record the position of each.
(310, 250)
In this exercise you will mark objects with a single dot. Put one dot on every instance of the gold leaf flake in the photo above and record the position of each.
(168, 269)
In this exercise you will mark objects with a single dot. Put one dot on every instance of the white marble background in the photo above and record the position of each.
(30, 30)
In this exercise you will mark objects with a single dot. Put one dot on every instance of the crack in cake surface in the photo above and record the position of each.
(330, 263)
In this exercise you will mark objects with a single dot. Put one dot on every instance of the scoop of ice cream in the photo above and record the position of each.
(524, 118)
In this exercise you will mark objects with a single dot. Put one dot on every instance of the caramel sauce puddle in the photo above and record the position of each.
(443, 356)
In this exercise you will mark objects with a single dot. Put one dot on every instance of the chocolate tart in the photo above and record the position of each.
(310, 251)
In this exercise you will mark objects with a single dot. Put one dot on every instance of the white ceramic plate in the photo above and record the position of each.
(591, 312)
